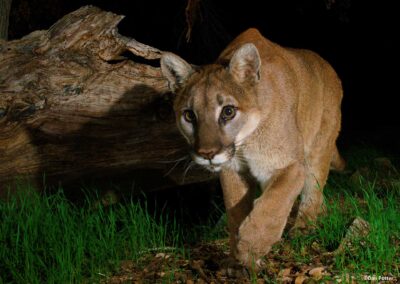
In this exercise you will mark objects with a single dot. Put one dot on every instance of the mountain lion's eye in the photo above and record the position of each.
(189, 116)
(228, 113)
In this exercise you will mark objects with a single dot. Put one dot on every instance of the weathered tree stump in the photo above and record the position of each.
(71, 106)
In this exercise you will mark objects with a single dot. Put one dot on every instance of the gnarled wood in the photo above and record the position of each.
(71, 106)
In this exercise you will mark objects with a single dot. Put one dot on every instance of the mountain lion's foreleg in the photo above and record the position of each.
(238, 198)
(265, 223)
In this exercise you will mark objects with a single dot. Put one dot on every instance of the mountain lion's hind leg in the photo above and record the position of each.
(311, 202)
(317, 170)
(337, 163)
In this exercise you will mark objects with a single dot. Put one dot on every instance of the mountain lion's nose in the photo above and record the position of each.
(207, 153)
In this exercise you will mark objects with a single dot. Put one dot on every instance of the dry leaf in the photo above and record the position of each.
(300, 279)
(201, 281)
(284, 272)
(127, 265)
(162, 255)
(316, 247)
(317, 272)
(285, 280)
(161, 274)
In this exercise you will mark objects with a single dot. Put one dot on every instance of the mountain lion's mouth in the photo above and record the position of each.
(214, 168)
(217, 162)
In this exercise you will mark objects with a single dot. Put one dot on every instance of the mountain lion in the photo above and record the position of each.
(261, 114)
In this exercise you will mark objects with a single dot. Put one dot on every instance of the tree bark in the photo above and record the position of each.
(71, 106)
(5, 7)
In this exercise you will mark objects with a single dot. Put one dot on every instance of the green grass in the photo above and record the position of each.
(47, 239)
(379, 252)
(374, 201)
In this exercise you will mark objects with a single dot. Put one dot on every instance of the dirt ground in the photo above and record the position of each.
(210, 263)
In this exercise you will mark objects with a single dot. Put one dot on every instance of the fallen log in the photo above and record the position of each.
(72, 106)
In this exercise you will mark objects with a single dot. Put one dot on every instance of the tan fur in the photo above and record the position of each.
(282, 137)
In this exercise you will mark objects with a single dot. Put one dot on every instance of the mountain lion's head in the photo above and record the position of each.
(216, 105)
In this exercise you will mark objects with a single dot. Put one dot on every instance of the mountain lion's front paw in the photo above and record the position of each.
(249, 257)
(251, 247)
(232, 268)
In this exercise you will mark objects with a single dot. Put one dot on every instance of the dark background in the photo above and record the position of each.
(359, 38)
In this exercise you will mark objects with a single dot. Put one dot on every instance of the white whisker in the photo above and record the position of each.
(191, 164)
(175, 165)
(174, 161)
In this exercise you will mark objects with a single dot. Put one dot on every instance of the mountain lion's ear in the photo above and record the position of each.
(245, 64)
(175, 69)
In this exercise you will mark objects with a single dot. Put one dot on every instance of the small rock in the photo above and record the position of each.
(358, 229)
